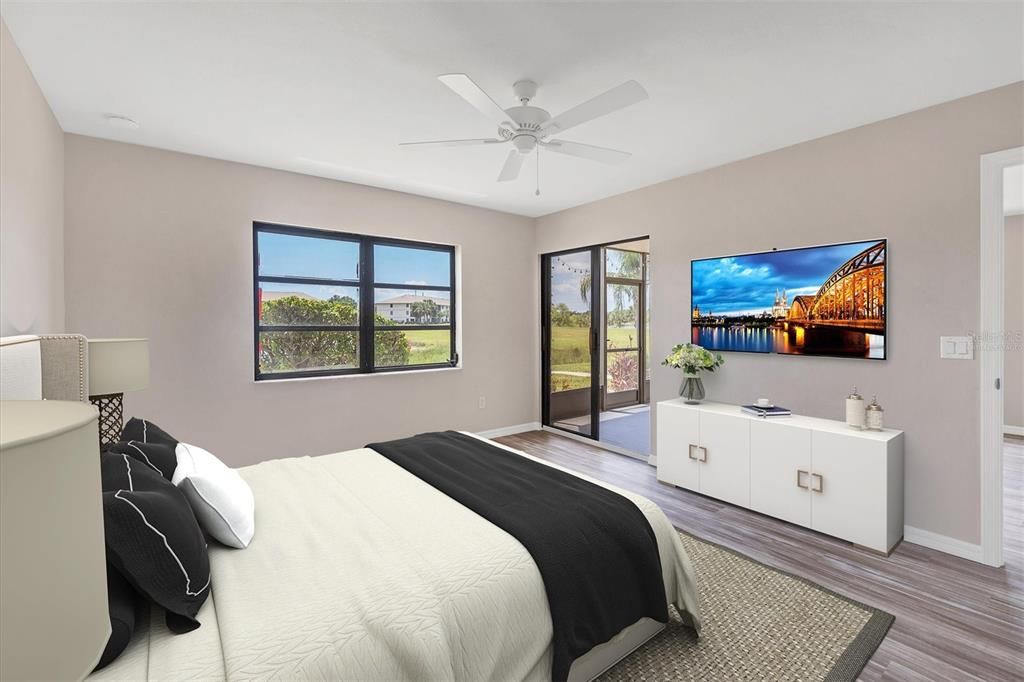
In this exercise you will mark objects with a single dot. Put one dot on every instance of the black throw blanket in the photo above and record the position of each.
(595, 549)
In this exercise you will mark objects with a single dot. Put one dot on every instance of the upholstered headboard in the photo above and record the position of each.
(50, 367)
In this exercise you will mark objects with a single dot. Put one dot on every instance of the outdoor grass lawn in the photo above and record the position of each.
(570, 353)
(428, 346)
(569, 350)
(569, 344)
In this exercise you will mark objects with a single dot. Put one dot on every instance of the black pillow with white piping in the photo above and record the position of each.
(153, 539)
(160, 457)
(146, 431)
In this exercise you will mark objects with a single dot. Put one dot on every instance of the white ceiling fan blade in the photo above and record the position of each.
(586, 151)
(464, 86)
(510, 171)
(454, 143)
(617, 98)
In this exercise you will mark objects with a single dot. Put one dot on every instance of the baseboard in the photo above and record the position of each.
(509, 430)
(1013, 430)
(942, 543)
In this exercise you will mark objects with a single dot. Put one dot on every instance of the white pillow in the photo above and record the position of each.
(221, 500)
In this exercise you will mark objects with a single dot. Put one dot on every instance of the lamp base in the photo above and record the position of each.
(111, 407)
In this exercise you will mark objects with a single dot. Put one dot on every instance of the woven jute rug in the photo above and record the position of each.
(759, 624)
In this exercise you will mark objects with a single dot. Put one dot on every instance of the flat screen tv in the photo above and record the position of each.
(819, 300)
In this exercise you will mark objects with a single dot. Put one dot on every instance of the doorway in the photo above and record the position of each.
(570, 361)
(625, 403)
(1013, 365)
(595, 344)
(993, 344)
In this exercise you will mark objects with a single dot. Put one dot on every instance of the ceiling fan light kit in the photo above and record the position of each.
(530, 128)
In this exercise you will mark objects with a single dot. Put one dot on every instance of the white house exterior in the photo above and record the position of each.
(400, 309)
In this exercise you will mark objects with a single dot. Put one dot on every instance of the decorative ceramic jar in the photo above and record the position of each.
(855, 410)
(874, 415)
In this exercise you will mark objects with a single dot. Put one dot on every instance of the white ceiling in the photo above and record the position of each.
(330, 89)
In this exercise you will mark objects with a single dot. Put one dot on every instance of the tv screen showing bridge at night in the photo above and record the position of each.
(822, 300)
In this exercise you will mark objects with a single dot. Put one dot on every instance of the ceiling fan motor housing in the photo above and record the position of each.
(528, 121)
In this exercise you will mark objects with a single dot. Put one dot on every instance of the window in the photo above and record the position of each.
(330, 303)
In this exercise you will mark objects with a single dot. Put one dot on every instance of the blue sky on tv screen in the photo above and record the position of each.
(740, 285)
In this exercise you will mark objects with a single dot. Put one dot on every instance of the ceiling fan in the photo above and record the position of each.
(529, 128)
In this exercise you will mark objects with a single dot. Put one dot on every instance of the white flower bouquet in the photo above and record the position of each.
(693, 359)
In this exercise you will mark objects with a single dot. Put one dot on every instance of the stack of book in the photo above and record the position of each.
(772, 411)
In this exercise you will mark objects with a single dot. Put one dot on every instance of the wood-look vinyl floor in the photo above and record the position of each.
(955, 619)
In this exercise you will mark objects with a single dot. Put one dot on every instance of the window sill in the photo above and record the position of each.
(331, 377)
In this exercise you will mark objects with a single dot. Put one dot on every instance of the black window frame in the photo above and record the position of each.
(366, 285)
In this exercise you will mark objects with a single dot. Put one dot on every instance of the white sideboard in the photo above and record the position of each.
(817, 473)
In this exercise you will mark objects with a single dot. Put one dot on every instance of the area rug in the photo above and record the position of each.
(759, 624)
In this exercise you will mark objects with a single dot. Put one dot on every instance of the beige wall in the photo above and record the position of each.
(159, 244)
(1013, 371)
(913, 179)
(31, 201)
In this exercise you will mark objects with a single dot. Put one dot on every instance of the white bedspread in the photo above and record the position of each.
(359, 570)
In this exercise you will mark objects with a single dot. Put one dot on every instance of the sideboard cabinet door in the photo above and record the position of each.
(780, 469)
(848, 487)
(725, 458)
(678, 430)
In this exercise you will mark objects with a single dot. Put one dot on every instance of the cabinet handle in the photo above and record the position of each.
(702, 453)
(821, 483)
(799, 474)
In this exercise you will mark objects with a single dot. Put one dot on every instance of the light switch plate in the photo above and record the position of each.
(956, 347)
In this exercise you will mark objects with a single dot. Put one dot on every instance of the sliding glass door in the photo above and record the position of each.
(622, 345)
(625, 328)
(571, 364)
(594, 334)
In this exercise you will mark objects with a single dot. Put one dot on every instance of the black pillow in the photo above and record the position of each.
(124, 604)
(154, 540)
(147, 432)
(158, 456)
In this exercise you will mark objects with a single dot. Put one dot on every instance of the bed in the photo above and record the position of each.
(361, 570)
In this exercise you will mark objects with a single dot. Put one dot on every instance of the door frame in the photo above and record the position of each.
(596, 388)
(641, 285)
(596, 319)
(988, 344)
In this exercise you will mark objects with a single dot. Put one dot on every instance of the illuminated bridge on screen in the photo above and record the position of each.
(852, 298)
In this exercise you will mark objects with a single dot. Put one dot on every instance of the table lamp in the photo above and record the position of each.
(116, 366)
(54, 619)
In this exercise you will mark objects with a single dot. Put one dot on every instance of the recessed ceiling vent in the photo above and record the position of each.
(122, 122)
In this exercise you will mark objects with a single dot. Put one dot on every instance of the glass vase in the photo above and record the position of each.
(692, 390)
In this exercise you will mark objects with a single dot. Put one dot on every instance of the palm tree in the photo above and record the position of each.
(630, 265)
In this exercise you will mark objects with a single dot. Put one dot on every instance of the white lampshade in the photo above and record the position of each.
(54, 620)
(118, 365)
